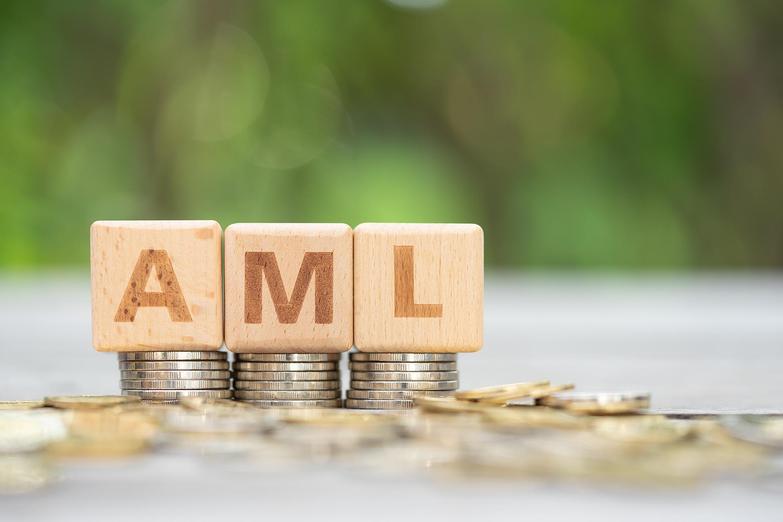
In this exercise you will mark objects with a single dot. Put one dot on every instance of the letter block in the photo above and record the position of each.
(418, 287)
(289, 288)
(156, 285)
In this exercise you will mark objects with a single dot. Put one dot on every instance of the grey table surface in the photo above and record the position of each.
(696, 342)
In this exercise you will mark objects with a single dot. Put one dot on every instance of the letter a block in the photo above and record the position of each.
(156, 285)
(289, 288)
(418, 287)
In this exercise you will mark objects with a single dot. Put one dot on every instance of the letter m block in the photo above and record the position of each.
(289, 288)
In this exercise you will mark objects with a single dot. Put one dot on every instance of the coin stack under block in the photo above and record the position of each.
(168, 376)
(288, 380)
(390, 381)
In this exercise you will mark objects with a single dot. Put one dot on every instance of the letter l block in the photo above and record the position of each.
(156, 285)
(418, 287)
(289, 288)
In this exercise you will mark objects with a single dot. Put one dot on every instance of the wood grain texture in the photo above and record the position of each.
(289, 288)
(418, 287)
(156, 285)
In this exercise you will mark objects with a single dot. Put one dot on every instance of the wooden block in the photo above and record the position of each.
(289, 288)
(418, 287)
(156, 285)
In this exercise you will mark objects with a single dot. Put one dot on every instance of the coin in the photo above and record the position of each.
(286, 366)
(288, 357)
(174, 384)
(176, 375)
(501, 393)
(404, 376)
(403, 367)
(174, 356)
(598, 403)
(403, 357)
(393, 394)
(152, 366)
(328, 403)
(287, 385)
(79, 402)
(21, 405)
(405, 385)
(172, 395)
(388, 404)
(286, 376)
(452, 405)
(286, 395)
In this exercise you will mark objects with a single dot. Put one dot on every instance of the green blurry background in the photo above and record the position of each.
(616, 134)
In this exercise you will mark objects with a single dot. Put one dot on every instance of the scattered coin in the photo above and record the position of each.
(21, 405)
(403, 367)
(404, 376)
(393, 394)
(173, 365)
(451, 405)
(173, 395)
(288, 357)
(172, 384)
(287, 395)
(501, 393)
(333, 403)
(405, 385)
(76, 402)
(286, 367)
(174, 356)
(286, 376)
(287, 385)
(597, 403)
(403, 357)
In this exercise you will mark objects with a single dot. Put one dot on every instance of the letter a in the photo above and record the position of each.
(258, 263)
(404, 305)
(135, 296)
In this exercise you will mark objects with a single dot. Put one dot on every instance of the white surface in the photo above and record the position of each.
(710, 342)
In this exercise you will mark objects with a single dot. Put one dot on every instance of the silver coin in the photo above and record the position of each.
(285, 366)
(390, 404)
(405, 385)
(299, 395)
(403, 367)
(394, 394)
(175, 375)
(174, 356)
(286, 376)
(152, 366)
(173, 384)
(404, 376)
(287, 385)
(288, 357)
(327, 403)
(172, 395)
(403, 357)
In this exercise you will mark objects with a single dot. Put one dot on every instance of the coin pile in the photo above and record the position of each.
(390, 381)
(288, 380)
(169, 376)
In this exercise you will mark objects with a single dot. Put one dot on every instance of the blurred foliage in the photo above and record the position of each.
(619, 134)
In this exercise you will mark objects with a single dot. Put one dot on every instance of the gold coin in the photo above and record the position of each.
(502, 393)
(77, 402)
(21, 405)
(598, 403)
(451, 405)
(288, 357)
(102, 448)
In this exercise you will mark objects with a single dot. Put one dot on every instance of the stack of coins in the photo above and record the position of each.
(288, 380)
(168, 376)
(390, 381)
